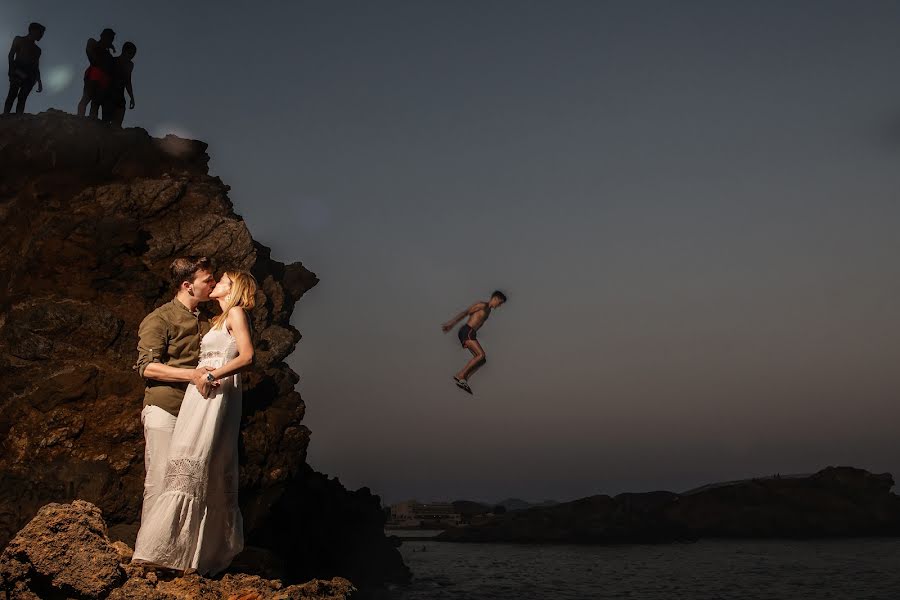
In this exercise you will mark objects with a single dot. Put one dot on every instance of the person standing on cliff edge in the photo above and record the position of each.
(478, 313)
(98, 75)
(120, 82)
(168, 354)
(24, 68)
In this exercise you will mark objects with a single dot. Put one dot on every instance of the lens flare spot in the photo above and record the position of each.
(58, 78)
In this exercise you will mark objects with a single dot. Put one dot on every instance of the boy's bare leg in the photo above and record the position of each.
(118, 116)
(24, 91)
(478, 359)
(86, 95)
(95, 109)
(10, 97)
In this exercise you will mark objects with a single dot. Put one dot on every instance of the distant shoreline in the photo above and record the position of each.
(836, 502)
(405, 534)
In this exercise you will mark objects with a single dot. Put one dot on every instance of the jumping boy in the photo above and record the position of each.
(478, 313)
(24, 68)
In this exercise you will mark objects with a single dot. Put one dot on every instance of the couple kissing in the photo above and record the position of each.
(190, 518)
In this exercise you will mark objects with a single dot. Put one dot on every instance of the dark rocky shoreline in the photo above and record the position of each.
(835, 502)
(65, 552)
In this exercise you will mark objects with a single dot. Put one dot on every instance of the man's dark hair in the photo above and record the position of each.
(129, 47)
(36, 27)
(499, 294)
(185, 269)
(107, 33)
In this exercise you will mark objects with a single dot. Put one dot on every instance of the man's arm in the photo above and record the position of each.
(12, 51)
(37, 67)
(91, 50)
(160, 372)
(151, 344)
(128, 85)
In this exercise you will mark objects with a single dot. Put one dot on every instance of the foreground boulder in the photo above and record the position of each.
(64, 552)
(91, 218)
(835, 502)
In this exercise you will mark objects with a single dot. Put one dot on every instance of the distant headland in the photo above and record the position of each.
(835, 502)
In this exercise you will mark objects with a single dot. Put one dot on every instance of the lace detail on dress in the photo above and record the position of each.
(184, 475)
(217, 347)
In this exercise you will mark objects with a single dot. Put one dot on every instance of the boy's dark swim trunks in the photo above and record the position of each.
(465, 334)
(23, 74)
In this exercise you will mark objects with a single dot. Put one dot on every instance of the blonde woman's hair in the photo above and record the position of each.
(243, 294)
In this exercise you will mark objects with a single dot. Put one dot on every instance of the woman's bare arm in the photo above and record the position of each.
(240, 329)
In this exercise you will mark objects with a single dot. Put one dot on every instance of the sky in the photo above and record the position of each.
(692, 206)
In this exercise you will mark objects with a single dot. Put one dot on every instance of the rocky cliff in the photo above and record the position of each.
(91, 218)
(65, 552)
(835, 502)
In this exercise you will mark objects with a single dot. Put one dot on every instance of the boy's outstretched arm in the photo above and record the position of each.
(449, 324)
(472, 309)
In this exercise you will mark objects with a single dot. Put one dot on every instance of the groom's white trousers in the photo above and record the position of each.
(158, 428)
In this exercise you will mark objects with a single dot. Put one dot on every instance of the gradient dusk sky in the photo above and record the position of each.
(694, 208)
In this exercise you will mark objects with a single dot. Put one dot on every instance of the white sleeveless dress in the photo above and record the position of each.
(196, 522)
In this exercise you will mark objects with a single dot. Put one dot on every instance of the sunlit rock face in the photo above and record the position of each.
(91, 219)
(65, 552)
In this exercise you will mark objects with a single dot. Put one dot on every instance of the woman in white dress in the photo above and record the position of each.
(196, 522)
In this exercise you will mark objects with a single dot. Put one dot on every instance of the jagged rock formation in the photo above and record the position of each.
(65, 552)
(835, 502)
(91, 219)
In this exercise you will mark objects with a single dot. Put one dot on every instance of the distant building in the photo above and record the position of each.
(419, 514)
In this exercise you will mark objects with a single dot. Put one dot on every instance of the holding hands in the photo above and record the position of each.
(201, 379)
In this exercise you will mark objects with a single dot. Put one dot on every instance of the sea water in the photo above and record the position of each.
(734, 569)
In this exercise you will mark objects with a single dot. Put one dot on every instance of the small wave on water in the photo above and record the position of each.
(733, 569)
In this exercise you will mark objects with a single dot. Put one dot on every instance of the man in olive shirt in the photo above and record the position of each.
(168, 353)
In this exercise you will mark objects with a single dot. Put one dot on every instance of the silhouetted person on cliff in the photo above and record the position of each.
(477, 314)
(114, 102)
(24, 68)
(98, 75)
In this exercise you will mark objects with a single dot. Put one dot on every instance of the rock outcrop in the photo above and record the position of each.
(65, 552)
(835, 502)
(91, 219)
